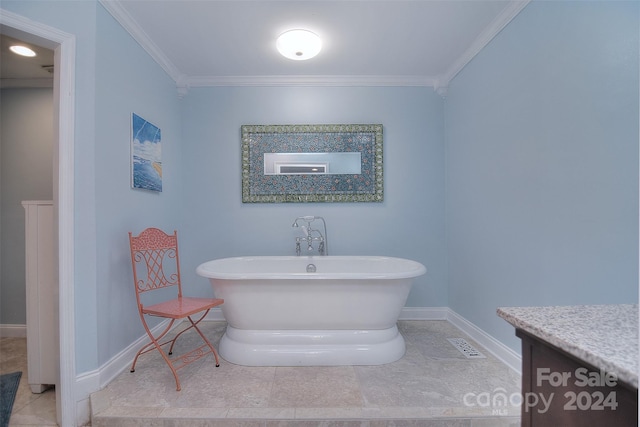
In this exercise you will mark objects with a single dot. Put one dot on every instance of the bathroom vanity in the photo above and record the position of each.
(579, 364)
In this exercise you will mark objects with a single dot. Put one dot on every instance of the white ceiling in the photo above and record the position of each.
(365, 42)
(371, 42)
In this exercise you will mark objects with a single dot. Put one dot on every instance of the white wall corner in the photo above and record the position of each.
(442, 91)
(441, 85)
(183, 86)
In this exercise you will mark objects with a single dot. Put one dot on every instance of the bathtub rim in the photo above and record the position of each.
(414, 268)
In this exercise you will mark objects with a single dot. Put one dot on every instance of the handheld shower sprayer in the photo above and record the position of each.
(308, 219)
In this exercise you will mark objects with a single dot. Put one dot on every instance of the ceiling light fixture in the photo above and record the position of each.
(22, 50)
(299, 44)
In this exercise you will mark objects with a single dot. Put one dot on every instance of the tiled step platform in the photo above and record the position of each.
(434, 384)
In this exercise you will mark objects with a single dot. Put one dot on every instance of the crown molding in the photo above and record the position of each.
(317, 80)
(501, 21)
(131, 26)
(184, 84)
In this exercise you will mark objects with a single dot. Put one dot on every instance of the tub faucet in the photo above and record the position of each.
(311, 235)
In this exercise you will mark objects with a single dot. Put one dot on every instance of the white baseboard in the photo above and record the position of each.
(423, 313)
(8, 330)
(505, 354)
(407, 313)
(215, 315)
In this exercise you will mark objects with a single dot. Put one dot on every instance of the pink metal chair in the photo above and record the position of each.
(156, 266)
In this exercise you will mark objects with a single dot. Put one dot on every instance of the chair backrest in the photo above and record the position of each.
(155, 261)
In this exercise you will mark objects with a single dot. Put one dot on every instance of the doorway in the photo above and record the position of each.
(27, 176)
(63, 45)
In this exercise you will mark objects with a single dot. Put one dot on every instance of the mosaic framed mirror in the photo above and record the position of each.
(312, 163)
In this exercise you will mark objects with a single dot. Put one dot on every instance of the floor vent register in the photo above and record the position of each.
(469, 351)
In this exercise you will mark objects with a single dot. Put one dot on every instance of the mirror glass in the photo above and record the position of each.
(308, 163)
(312, 163)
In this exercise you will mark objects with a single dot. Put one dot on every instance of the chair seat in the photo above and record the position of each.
(181, 307)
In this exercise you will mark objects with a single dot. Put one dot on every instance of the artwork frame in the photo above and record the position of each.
(146, 155)
(259, 187)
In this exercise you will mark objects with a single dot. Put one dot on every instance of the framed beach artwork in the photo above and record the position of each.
(146, 155)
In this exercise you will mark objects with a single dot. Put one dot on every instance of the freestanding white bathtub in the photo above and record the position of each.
(343, 313)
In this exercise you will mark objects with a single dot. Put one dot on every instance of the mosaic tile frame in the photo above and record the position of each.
(364, 187)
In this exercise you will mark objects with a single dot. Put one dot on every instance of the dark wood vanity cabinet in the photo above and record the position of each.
(559, 390)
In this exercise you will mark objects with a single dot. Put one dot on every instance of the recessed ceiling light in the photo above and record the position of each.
(22, 50)
(299, 44)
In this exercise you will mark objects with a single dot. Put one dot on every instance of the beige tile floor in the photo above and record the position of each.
(432, 385)
(29, 409)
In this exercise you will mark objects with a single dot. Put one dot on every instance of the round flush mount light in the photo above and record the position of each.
(22, 50)
(299, 44)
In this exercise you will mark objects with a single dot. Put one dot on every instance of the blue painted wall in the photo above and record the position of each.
(127, 81)
(542, 164)
(409, 223)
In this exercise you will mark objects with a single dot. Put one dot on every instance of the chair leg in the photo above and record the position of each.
(193, 325)
(155, 345)
(173, 369)
(150, 346)
(141, 351)
(173, 341)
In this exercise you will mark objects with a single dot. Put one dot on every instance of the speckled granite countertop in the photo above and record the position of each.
(605, 336)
